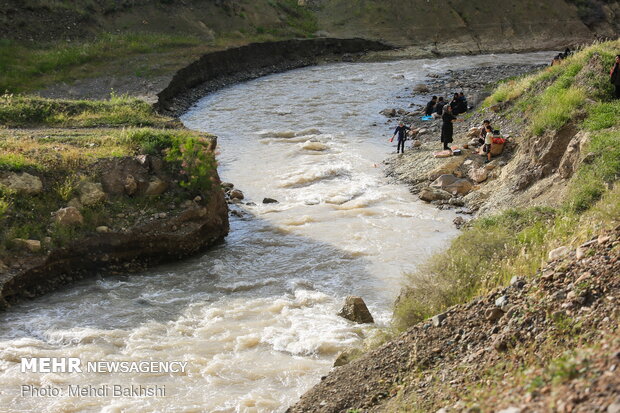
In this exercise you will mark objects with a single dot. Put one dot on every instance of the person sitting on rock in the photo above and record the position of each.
(462, 103)
(614, 76)
(483, 131)
(401, 131)
(454, 104)
(430, 106)
(439, 107)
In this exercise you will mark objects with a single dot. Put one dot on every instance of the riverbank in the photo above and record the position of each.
(517, 314)
(418, 167)
(90, 187)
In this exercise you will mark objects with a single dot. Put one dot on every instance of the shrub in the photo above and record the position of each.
(197, 162)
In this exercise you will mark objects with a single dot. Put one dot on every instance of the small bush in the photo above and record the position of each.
(197, 162)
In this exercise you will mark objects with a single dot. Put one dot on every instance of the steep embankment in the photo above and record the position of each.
(90, 186)
(216, 70)
(520, 312)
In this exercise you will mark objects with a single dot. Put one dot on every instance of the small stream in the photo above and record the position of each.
(255, 318)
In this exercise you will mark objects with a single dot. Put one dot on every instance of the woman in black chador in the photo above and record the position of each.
(447, 129)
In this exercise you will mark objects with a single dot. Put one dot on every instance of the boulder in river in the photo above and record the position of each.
(269, 201)
(390, 113)
(236, 194)
(355, 309)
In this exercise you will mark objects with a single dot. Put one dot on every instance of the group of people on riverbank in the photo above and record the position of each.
(438, 109)
(435, 107)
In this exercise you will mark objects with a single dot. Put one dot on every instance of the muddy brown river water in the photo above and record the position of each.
(254, 318)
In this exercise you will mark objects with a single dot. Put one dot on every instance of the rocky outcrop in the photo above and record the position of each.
(216, 70)
(355, 309)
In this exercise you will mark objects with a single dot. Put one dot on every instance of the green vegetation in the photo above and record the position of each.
(22, 111)
(494, 249)
(63, 158)
(26, 67)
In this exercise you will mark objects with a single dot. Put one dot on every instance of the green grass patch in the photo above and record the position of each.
(602, 115)
(556, 106)
(482, 258)
(593, 179)
(23, 111)
(25, 67)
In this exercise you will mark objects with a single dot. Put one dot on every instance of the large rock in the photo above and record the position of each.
(125, 176)
(460, 187)
(90, 193)
(31, 245)
(236, 194)
(434, 194)
(69, 216)
(444, 181)
(22, 182)
(390, 113)
(559, 253)
(156, 187)
(355, 310)
(479, 175)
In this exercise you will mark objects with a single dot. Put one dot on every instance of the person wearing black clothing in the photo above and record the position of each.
(454, 104)
(614, 76)
(401, 131)
(462, 103)
(430, 106)
(447, 129)
(439, 106)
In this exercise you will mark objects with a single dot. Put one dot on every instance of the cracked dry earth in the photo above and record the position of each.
(546, 344)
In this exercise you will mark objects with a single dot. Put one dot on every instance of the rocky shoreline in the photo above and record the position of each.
(418, 168)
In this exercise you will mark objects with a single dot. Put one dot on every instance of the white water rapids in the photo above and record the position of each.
(254, 318)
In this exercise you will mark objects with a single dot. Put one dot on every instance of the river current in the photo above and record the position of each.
(254, 318)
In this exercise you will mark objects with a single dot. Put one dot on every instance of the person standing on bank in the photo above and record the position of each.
(447, 129)
(401, 131)
(614, 76)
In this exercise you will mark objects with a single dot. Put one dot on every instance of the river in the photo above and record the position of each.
(254, 318)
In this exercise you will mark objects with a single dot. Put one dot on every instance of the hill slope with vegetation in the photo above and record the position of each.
(135, 46)
(521, 311)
